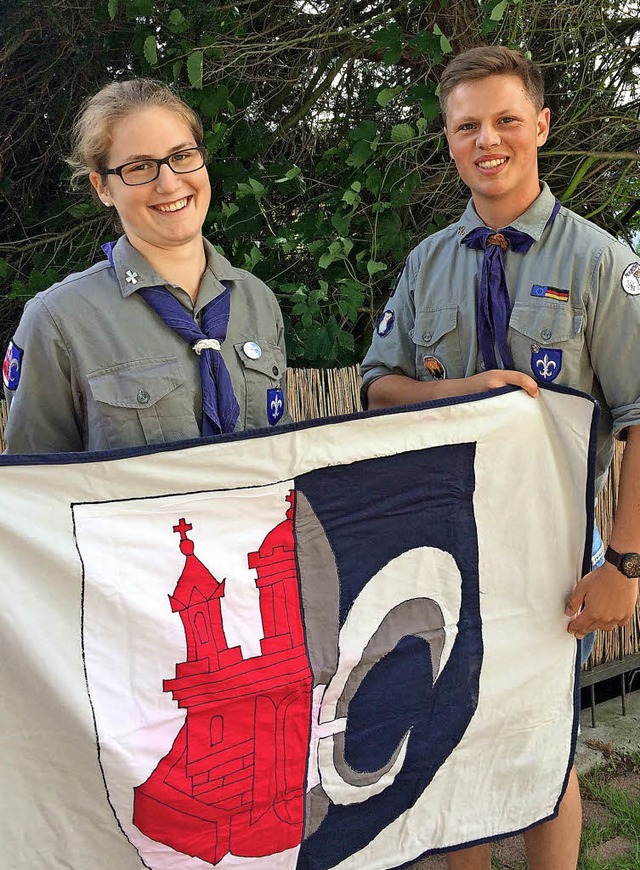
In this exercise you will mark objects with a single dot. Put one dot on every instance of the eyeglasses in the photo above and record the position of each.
(147, 170)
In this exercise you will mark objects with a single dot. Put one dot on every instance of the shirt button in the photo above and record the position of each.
(546, 334)
(427, 336)
(143, 397)
(275, 370)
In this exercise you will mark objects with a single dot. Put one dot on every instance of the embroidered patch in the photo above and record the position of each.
(385, 323)
(435, 368)
(631, 279)
(546, 363)
(11, 366)
(550, 292)
(275, 405)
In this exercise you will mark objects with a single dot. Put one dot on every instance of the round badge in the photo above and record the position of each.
(252, 350)
(435, 368)
(631, 279)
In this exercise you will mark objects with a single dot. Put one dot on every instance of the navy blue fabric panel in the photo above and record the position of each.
(371, 512)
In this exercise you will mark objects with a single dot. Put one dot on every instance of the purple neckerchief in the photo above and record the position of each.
(494, 304)
(220, 409)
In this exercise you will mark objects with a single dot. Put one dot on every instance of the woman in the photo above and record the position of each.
(163, 340)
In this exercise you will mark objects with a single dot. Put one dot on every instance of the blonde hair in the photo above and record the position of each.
(94, 123)
(492, 60)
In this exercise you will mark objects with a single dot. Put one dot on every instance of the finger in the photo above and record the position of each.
(575, 600)
(526, 383)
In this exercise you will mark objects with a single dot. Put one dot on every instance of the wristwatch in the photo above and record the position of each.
(627, 563)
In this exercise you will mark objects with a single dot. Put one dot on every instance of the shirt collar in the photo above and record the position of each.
(134, 272)
(533, 221)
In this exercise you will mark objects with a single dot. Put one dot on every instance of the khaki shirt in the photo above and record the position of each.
(428, 328)
(101, 370)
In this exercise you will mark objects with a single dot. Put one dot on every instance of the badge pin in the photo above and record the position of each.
(385, 323)
(11, 366)
(546, 363)
(275, 405)
(132, 277)
(631, 279)
(435, 368)
(252, 350)
(462, 231)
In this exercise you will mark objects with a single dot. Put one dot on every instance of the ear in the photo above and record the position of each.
(446, 136)
(544, 122)
(99, 184)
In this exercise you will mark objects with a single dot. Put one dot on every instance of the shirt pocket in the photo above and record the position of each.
(143, 402)
(437, 342)
(259, 376)
(534, 326)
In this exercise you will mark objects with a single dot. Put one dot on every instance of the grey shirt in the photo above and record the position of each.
(100, 369)
(576, 291)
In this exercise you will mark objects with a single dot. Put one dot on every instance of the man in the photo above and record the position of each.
(521, 291)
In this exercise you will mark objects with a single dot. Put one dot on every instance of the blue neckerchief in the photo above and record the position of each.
(220, 409)
(494, 304)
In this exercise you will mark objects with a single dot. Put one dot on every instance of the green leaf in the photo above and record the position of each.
(176, 70)
(402, 133)
(113, 9)
(176, 18)
(365, 130)
(326, 260)
(357, 186)
(386, 95)
(5, 268)
(373, 267)
(445, 45)
(213, 100)
(360, 153)
(498, 11)
(340, 223)
(194, 69)
(289, 176)
(151, 51)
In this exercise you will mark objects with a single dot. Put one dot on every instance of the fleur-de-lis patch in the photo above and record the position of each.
(546, 363)
(275, 405)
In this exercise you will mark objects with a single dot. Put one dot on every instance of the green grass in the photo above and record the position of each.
(623, 814)
(623, 817)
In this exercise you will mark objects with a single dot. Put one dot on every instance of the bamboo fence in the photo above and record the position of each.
(315, 393)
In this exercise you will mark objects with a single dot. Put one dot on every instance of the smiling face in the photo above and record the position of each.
(167, 213)
(494, 132)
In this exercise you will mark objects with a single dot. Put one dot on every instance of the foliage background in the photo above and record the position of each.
(321, 118)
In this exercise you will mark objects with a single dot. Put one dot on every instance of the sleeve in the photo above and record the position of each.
(613, 327)
(44, 414)
(392, 350)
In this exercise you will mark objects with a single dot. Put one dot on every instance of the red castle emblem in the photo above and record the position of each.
(234, 779)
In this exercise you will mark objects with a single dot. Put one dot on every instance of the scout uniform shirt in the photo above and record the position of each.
(575, 317)
(93, 367)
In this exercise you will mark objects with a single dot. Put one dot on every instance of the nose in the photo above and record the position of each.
(167, 180)
(488, 136)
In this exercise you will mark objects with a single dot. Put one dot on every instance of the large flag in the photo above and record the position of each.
(340, 645)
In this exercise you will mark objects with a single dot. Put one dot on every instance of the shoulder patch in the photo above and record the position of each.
(385, 323)
(11, 366)
(631, 279)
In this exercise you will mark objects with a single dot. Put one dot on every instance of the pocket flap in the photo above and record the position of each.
(546, 323)
(136, 384)
(269, 363)
(432, 324)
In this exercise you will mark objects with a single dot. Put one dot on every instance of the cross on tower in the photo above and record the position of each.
(183, 527)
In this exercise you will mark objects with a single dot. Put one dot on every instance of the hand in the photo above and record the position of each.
(603, 599)
(496, 378)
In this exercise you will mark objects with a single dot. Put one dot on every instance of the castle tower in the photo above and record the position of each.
(197, 599)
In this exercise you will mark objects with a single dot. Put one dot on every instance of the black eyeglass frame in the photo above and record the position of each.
(158, 162)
